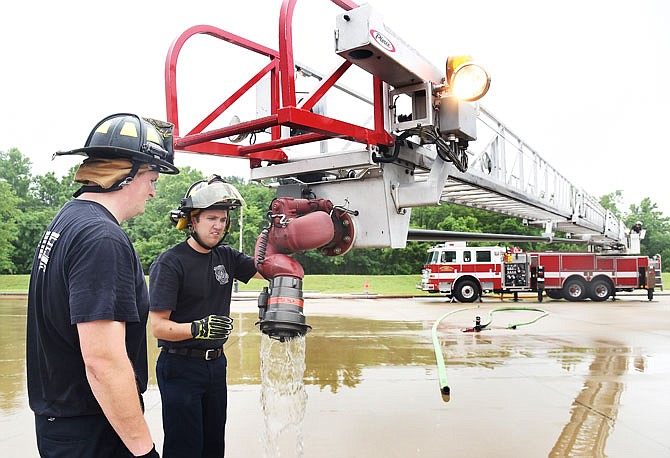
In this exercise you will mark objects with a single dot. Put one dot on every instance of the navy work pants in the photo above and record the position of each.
(194, 397)
(89, 436)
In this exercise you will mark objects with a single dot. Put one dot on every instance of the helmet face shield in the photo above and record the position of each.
(214, 193)
(220, 194)
(125, 135)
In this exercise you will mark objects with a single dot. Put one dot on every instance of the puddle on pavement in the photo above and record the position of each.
(12, 354)
(337, 349)
(345, 353)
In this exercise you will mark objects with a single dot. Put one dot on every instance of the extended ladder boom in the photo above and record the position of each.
(441, 146)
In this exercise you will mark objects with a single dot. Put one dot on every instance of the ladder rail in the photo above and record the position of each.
(507, 167)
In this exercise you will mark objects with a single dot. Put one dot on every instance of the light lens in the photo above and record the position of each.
(470, 82)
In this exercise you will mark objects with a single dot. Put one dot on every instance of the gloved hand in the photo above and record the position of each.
(212, 327)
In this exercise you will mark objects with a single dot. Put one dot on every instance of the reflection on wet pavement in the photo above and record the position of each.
(579, 383)
(594, 411)
(337, 350)
(12, 353)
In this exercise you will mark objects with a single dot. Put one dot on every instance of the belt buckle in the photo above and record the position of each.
(214, 354)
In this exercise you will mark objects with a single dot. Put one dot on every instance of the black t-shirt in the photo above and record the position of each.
(194, 285)
(85, 269)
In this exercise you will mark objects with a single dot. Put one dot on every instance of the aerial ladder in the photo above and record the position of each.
(420, 147)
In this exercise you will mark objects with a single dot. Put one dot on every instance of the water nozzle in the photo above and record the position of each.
(280, 310)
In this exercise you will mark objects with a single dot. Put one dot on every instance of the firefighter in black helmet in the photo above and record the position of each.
(118, 147)
(88, 300)
(191, 289)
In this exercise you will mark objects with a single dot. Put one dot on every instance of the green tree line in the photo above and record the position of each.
(29, 202)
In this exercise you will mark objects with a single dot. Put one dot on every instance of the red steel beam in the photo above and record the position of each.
(325, 85)
(233, 98)
(283, 110)
(243, 127)
(173, 54)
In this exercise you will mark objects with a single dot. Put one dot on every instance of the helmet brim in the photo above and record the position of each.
(111, 152)
(224, 206)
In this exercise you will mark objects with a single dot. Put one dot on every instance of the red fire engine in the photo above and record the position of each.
(465, 273)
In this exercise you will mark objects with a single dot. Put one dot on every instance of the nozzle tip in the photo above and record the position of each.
(445, 392)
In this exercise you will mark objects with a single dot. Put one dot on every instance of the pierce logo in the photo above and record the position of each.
(382, 40)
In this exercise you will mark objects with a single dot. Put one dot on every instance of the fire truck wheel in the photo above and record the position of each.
(554, 293)
(574, 289)
(466, 291)
(600, 289)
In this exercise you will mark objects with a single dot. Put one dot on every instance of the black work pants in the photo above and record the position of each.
(89, 436)
(194, 400)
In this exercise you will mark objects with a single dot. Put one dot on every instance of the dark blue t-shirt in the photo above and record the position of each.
(85, 269)
(194, 285)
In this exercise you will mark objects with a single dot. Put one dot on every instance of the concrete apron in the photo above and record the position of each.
(589, 379)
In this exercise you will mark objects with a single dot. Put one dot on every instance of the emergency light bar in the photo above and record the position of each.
(362, 38)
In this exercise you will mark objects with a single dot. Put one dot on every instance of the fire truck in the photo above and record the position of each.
(465, 273)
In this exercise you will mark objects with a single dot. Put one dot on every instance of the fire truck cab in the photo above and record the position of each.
(466, 273)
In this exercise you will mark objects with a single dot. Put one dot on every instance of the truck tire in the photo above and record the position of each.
(600, 290)
(574, 289)
(466, 291)
(554, 293)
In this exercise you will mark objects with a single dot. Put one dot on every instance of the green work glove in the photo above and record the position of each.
(212, 327)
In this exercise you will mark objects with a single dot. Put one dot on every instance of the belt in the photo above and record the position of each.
(207, 355)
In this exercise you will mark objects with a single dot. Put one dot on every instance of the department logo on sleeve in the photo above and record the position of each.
(46, 244)
(221, 274)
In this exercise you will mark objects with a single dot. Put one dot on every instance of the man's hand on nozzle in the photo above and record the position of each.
(212, 327)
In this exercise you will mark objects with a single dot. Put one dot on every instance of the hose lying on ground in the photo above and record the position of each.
(445, 391)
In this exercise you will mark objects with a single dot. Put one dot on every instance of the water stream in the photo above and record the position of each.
(283, 396)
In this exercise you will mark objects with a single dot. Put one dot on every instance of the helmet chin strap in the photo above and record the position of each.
(195, 237)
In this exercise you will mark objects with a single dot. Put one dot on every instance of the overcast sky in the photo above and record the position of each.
(583, 82)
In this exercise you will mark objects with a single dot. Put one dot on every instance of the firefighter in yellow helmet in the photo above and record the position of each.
(190, 289)
(86, 348)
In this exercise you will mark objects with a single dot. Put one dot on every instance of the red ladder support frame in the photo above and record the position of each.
(282, 89)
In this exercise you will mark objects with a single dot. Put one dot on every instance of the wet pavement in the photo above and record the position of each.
(589, 379)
